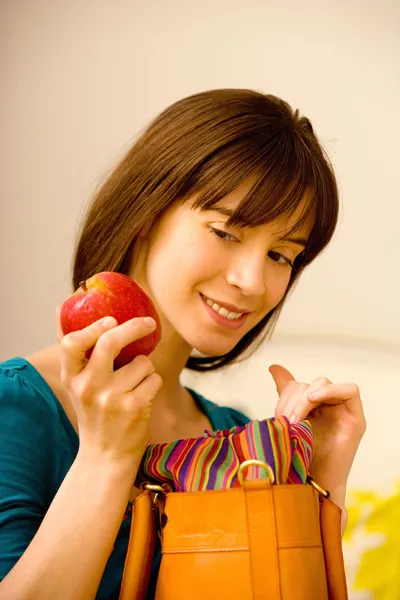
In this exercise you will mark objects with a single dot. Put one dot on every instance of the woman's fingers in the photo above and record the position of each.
(293, 400)
(327, 394)
(286, 386)
(281, 376)
(289, 397)
(147, 389)
(75, 345)
(347, 393)
(131, 375)
(113, 341)
(302, 399)
(107, 340)
(330, 392)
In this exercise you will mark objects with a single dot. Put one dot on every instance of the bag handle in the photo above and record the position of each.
(141, 547)
(259, 500)
(331, 534)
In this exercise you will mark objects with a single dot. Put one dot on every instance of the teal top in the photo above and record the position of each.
(37, 448)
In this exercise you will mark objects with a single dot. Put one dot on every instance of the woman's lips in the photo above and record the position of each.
(232, 323)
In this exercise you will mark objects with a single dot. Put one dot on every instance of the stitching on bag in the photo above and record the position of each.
(281, 546)
(205, 549)
(248, 533)
(277, 543)
(283, 489)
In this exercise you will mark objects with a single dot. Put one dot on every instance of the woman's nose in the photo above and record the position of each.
(248, 274)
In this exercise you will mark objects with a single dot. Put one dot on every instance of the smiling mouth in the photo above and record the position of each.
(222, 311)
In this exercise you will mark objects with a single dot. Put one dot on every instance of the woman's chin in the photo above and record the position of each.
(207, 348)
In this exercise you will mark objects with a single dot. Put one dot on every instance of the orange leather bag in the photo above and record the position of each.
(257, 541)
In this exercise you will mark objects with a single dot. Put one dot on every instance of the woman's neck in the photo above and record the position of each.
(169, 360)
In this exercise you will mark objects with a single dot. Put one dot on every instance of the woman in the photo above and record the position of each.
(215, 211)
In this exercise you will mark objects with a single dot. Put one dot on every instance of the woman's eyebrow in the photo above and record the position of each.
(300, 241)
(227, 212)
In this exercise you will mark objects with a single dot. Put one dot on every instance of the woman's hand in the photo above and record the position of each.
(336, 414)
(112, 407)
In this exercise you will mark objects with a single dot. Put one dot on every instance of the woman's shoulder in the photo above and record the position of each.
(25, 396)
(20, 382)
(35, 454)
(37, 440)
(221, 417)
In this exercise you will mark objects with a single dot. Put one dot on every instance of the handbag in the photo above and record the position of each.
(257, 540)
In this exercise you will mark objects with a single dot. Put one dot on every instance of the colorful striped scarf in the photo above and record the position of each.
(212, 462)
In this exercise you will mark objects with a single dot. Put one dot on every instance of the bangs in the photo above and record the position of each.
(290, 177)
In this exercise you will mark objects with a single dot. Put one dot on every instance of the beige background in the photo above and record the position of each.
(79, 81)
(81, 78)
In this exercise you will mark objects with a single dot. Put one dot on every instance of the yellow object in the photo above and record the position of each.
(372, 545)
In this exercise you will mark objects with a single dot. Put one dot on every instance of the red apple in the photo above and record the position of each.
(115, 295)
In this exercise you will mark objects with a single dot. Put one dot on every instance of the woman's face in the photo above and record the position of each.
(212, 284)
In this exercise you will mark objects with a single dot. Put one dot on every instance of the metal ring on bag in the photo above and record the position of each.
(255, 463)
(153, 487)
(319, 489)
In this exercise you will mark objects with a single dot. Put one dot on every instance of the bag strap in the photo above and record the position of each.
(141, 547)
(331, 534)
(259, 501)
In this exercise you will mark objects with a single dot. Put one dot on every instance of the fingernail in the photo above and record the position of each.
(108, 322)
(292, 418)
(313, 395)
(149, 322)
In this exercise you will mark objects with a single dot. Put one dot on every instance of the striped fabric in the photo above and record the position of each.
(211, 462)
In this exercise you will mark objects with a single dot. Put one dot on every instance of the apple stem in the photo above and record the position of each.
(83, 285)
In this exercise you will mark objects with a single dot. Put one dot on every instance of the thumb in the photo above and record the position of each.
(281, 377)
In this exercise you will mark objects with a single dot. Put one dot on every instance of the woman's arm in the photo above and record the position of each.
(64, 558)
(67, 557)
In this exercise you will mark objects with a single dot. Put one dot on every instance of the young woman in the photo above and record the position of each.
(215, 211)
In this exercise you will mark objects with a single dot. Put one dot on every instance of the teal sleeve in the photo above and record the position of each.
(27, 464)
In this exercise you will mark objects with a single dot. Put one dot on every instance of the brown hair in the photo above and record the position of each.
(208, 144)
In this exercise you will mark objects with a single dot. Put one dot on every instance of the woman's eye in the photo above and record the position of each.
(280, 258)
(223, 235)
